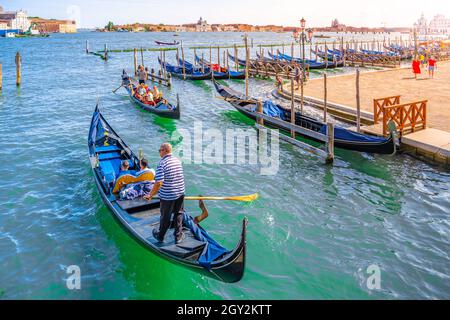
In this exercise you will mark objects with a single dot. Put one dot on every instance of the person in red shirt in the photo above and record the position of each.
(431, 67)
(416, 67)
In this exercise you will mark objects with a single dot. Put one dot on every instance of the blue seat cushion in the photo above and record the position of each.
(110, 169)
(109, 156)
(103, 149)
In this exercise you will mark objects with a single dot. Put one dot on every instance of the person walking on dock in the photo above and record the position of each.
(422, 60)
(431, 67)
(416, 67)
(169, 184)
(297, 76)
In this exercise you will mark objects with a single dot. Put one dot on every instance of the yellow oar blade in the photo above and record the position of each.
(248, 198)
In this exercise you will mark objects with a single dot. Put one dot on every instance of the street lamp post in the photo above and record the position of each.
(302, 25)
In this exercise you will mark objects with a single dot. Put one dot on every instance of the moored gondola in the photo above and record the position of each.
(312, 64)
(220, 72)
(198, 251)
(241, 62)
(189, 74)
(343, 138)
(162, 107)
(219, 75)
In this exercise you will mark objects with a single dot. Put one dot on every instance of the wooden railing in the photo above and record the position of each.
(408, 117)
(379, 104)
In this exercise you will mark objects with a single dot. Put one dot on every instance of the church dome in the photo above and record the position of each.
(1, 9)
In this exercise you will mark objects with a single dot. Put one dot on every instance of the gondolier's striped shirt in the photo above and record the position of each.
(170, 172)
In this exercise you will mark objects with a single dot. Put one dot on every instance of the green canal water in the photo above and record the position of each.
(313, 233)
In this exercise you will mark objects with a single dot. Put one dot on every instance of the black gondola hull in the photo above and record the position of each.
(387, 147)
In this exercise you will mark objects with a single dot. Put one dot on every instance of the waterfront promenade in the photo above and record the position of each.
(432, 143)
(386, 83)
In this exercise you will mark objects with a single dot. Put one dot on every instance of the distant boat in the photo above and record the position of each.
(322, 36)
(10, 35)
(174, 43)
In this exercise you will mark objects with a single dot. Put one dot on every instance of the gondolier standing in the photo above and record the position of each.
(169, 184)
(142, 75)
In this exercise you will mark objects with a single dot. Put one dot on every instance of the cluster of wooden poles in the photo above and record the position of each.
(18, 71)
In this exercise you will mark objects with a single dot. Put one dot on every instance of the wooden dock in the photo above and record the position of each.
(419, 109)
(429, 143)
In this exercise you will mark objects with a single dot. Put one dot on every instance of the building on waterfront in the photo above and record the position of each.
(16, 20)
(50, 26)
(421, 25)
(338, 27)
(439, 25)
(203, 26)
(4, 24)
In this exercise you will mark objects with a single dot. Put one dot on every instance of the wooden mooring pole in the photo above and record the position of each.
(358, 103)
(218, 58)
(1, 77)
(302, 102)
(247, 61)
(325, 93)
(236, 58)
(142, 57)
(260, 111)
(18, 69)
(292, 107)
(87, 46)
(184, 65)
(135, 61)
(330, 143)
(105, 54)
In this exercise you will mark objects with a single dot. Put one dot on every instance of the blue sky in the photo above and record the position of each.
(92, 13)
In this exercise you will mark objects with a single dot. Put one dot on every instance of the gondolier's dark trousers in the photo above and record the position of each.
(167, 208)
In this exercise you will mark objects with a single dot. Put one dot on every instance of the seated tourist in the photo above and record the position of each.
(142, 91)
(125, 169)
(150, 97)
(135, 184)
(144, 167)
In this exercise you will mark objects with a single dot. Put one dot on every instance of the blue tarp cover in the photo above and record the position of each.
(344, 134)
(272, 110)
(212, 249)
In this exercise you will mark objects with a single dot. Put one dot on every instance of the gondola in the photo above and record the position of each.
(219, 72)
(219, 75)
(329, 56)
(163, 108)
(174, 43)
(263, 58)
(189, 74)
(378, 53)
(198, 251)
(241, 62)
(343, 138)
(313, 64)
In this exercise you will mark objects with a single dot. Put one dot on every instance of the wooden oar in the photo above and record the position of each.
(118, 88)
(249, 198)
